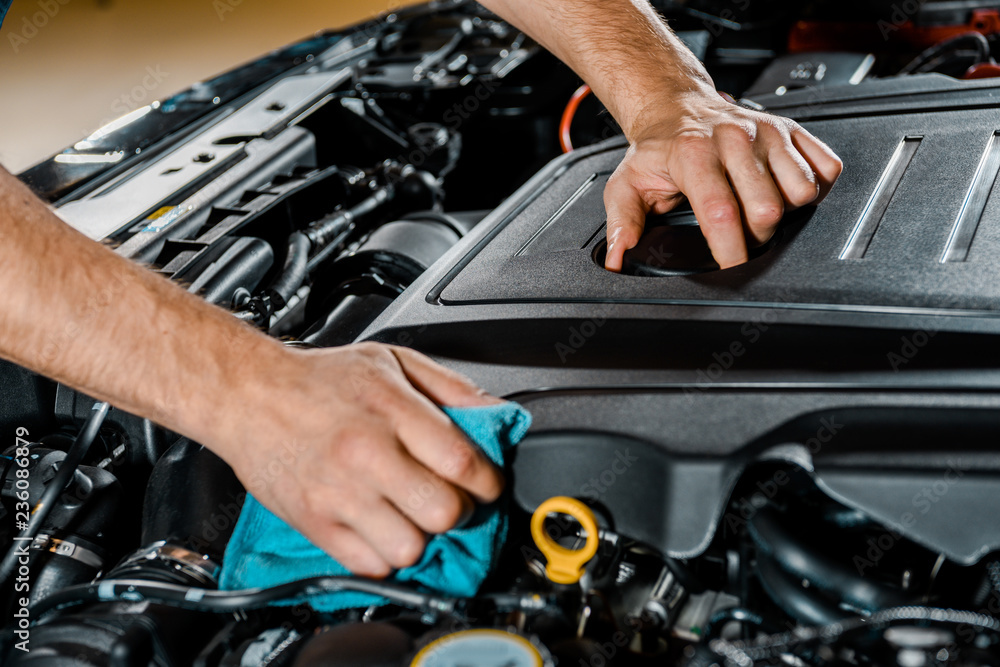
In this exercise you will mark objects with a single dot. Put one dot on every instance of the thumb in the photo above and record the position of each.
(626, 212)
(442, 385)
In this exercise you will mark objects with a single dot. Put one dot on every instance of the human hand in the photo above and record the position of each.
(741, 170)
(349, 447)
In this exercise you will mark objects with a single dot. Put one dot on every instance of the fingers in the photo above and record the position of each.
(432, 469)
(394, 537)
(380, 465)
(350, 550)
(442, 385)
(431, 503)
(434, 441)
(822, 160)
(740, 170)
(384, 501)
(626, 212)
(715, 206)
(430, 436)
(760, 199)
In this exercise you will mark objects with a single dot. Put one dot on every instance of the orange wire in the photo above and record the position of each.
(567, 118)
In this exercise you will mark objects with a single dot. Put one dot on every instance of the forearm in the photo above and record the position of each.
(622, 48)
(78, 313)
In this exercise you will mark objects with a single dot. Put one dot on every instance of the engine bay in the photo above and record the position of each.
(787, 462)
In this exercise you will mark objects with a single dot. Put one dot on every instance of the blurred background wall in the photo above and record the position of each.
(69, 66)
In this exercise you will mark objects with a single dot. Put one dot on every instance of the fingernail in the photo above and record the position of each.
(609, 254)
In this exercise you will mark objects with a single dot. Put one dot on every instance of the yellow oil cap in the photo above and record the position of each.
(564, 566)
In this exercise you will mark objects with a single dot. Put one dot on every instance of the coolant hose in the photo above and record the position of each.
(806, 605)
(821, 571)
(294, 272)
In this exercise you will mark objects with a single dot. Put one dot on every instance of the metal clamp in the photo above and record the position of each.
(198, 566)
(66, 548)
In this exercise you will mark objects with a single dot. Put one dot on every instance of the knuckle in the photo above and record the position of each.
(444, 514)
(720, 213)
(375, 568)
(368, 348)
(367, 351)
(836, 167)
(803, 192)
(461, 461)
(358, 561)
(407, 550)
(356, 449)
(788, 126)
(315, 514)
(692, 143)
(738, 134)
(383, 397)
(350, 508)
(767, 213)
(374, 353)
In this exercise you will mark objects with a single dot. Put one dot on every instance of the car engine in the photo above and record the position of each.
(788, 462)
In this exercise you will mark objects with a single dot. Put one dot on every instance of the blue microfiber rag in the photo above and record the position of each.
(264, 551)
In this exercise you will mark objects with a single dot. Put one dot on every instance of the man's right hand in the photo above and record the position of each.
(347, 444)
(349, 447)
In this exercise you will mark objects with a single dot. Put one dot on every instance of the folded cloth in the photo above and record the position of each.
(264, 551)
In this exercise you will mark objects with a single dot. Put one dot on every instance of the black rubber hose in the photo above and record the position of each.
(294, 272)
(74, 456)
(721, 618)
(974, 39)
(332, 226)
(805, 605)
(822, 571)
(327, 234)
(746, 653)
(225, 602)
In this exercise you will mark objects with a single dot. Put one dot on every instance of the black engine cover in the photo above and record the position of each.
(861, 342)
